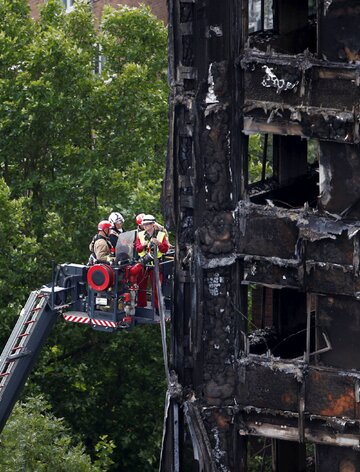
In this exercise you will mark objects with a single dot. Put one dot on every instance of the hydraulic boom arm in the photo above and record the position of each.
(22, 349)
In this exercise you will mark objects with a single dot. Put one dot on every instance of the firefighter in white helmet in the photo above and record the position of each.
(117, 220)
(139, 219)
(150, 243)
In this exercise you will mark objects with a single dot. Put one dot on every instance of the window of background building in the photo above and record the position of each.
(68, 4)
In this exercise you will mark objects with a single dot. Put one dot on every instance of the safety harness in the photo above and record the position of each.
(92, 259)
(145, 241)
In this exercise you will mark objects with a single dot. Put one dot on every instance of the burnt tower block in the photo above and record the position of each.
(264, 176)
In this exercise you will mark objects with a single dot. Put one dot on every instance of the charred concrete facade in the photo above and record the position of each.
(295, 383)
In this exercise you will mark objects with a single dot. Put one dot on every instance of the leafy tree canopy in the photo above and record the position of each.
(18, 256)
(35, 440)
(77, 143)
(83, 129)
(108, 385)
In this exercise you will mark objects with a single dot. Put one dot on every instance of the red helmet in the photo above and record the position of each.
(104, 224)
(139, 218)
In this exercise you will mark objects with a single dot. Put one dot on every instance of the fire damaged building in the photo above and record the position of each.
(265, 336)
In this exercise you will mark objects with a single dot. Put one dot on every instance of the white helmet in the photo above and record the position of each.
(148, 219)
(116, 217)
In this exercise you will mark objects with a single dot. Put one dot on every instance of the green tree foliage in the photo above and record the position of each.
(75, 145)
(108, 384)
(35, 440)
(132, 131)
(18, 254)
(256, 151)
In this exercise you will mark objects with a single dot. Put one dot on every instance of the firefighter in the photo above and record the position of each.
(150, 243)
(139, 220)
(117, 220)
(100, 246)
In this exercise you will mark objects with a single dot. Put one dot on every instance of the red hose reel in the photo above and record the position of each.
(100, 277)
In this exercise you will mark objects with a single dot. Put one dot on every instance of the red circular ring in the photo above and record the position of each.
(107, 273)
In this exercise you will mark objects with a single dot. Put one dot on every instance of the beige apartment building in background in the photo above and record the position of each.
(158, 7)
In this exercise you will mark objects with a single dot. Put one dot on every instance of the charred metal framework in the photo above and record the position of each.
(289, 370)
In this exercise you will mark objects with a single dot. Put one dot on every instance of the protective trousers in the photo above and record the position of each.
(143, 280)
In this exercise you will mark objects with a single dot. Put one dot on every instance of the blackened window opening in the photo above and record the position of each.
(278, 322)
(260, 157)
(283, 171)
(260, 15)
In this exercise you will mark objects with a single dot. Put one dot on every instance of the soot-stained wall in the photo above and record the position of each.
(283, 369)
